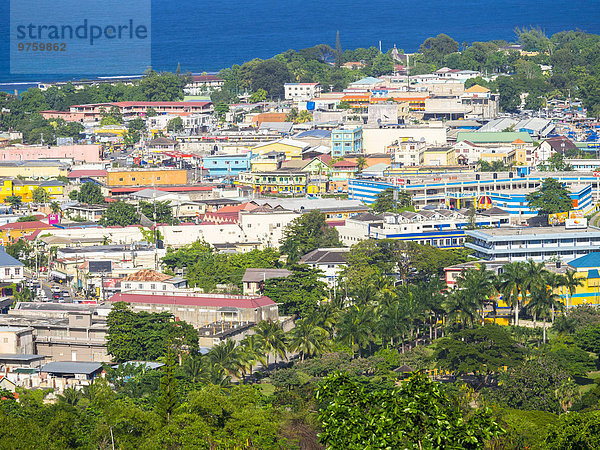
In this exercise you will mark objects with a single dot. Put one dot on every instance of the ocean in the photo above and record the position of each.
(208, 36)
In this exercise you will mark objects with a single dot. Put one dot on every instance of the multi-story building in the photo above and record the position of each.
(275, 182)
(465, 188)
(203, 84)
(227, 165)
(146, 177)
(301, 91)
(131, 110)
(340, 174)
(89, 153)
(535, 243)
(407, 152)
(292, 148)
(439, 228)
(346, 140)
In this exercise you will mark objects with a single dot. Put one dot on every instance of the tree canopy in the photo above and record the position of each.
(552, 197)
(307, 233)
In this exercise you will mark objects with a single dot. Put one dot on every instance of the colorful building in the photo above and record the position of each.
(25, 188)
(346, 140)
(275, 182)
(146, 177)
(587, 269)
(227, 165)
(340, 174)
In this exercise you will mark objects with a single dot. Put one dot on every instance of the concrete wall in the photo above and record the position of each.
(375, 140)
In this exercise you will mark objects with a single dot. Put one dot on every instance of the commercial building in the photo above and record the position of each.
(536, 243)
(146, 177)
(438, 228)
(467, 188)
(38, 169)
(203, 310)
(131, 110)
(275, 182)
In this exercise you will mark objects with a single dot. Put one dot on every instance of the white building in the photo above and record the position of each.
(407, 153)
(203, 84)
(265, 224)
(301, 91)
(536, 243)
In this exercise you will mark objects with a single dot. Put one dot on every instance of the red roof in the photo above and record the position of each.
(207, 300)
(33, 225)
(341, 164)
(87, 173)
(145, 104)
(206, 78)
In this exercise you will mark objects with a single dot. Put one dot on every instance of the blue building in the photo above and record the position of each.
(346, 140)
(227, 165)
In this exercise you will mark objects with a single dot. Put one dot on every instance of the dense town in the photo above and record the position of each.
(326, 249)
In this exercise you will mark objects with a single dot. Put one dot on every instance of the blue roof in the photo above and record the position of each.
(590, 260)
(593, 274)
(314, 133)
(7, 260)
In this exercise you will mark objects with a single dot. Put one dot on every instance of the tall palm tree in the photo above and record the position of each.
(542, 301)
(273, 337)
(253, 347)
(478, 287)
(571, 282)
(355, 328)
(227, 355)
(392, 323)
(510, 284)
(307, 338)
(55, 207)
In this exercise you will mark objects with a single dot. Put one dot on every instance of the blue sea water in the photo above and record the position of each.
(207, 36)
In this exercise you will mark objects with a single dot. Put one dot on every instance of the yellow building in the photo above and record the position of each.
(146, 177)
(439, 157)
(33, 169)
(587, 268)
(12, 232)
(276, 182)
(292, 148)
(25, 188)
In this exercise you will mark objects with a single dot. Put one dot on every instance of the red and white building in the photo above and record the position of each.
(131, 110)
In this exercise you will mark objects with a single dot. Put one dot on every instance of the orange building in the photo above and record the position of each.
(146, 177)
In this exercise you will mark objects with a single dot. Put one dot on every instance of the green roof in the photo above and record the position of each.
(490, 137)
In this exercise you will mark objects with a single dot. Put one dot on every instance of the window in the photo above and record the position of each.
(17, 271)
(153, 286)
(158, 178)
(140, 285)
(133, 179)
(6, 272)
(78, 317)
(120, 179)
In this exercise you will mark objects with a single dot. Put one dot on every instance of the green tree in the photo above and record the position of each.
(543, 302)
(298, 293)
(307, 338)
(387, 201)
(175, 125)
(14, 200)
(90, 193)
(273, 337)
(574, 431)
(435, 49)
(417, 414)
(510, 284)
(40, 195)
(307, 233)
(120, 213)
(258, 96)
(552, 197)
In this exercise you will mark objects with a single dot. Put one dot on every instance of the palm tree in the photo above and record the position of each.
(55, 207)
(542, 301)
(355, 328)
(70, 396)
(361, 163)
(478, 287)
(273, 337)
(571, 282)
(253, 346)
(226, 355)
(307, 338)
(392, 323)
(510, 284)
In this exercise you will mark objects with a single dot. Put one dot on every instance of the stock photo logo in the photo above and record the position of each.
(80, 37)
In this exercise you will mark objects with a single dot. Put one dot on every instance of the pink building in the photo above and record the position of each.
(130, 110)
(68, 116)
(89, 153)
